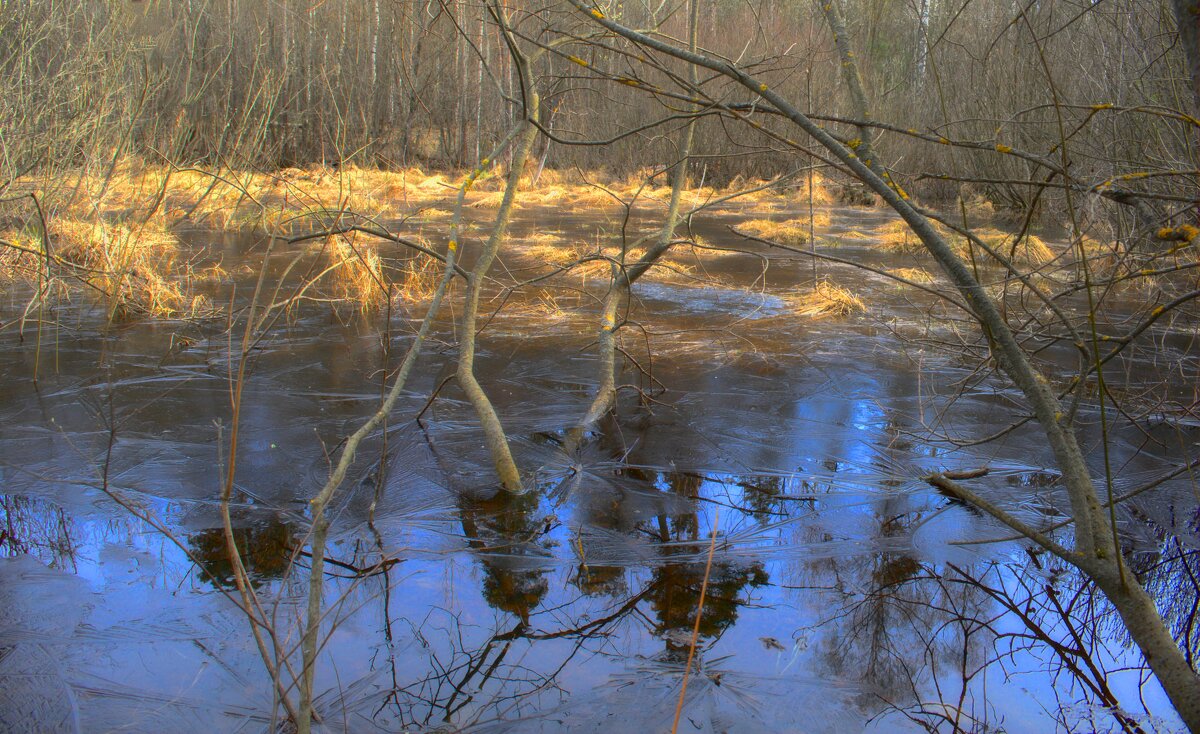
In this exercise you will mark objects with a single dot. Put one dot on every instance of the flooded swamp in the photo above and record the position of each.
(765, 454)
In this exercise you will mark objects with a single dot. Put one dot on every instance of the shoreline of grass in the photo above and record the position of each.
(116, 236)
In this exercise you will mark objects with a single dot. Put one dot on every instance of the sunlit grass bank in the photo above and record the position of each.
(133, 269)
(791, 232)
(1027, 250)
(113, 231)
(113, 234)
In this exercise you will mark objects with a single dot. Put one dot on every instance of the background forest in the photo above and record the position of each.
(394, 84)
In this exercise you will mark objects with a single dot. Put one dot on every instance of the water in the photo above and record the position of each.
(840, 596)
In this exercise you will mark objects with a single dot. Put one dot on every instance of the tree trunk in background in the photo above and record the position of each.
(623, 279)
(924, 10)
(1187, 14)
(493, 431)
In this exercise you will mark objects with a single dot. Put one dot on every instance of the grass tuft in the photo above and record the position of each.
(826, 299)
(1030, 250)
(134, 269)
(916, 275)
(793, 232)
(357, 273)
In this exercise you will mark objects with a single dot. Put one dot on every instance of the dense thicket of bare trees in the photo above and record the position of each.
(429, 82)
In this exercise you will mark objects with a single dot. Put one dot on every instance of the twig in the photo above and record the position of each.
(712, 547)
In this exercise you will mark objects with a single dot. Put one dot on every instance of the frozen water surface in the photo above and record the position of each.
(840, 597)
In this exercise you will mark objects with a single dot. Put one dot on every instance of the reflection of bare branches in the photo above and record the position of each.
(1175, 581)
(951, 614)
(922, 636)
(458, 677)
(33, 526)
(1059, 613)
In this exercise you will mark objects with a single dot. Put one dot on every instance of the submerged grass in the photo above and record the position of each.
(356, 272)
(246, 199)
(553, 249)
(418, 279)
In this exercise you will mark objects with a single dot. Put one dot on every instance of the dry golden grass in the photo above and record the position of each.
(676, 265)
(823, 193)
(550, 177)
(680, 264)
(1029, 251)
(134, 269)
(639, 178)
(916, 275)
(13, 263)
(132, 264)
(548, 306)
(855, 195)
(704, 250)
(281, 202)
(897, 235)
(431, 212)
(793, 192)
(577, 196)
(1104, 258)
(437, 185)
(826, 299)
(546, 193)
(235, 199)
(419, 278)
(650, 187)
(356, 273)
(793, 232)
(980, 208)
(752, 189)
(590, 197)
(551, 249)
(852, 234)
(550, 311)
(491, 200)
(214, 273)
(394, 191)
(141, 268)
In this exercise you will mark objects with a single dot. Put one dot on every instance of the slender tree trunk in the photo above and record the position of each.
(852, 78)
(1187, 15)
(483, 50)
(493, 430)
(310, 640)
(618, 293)
(924, 11)
(374, 86)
